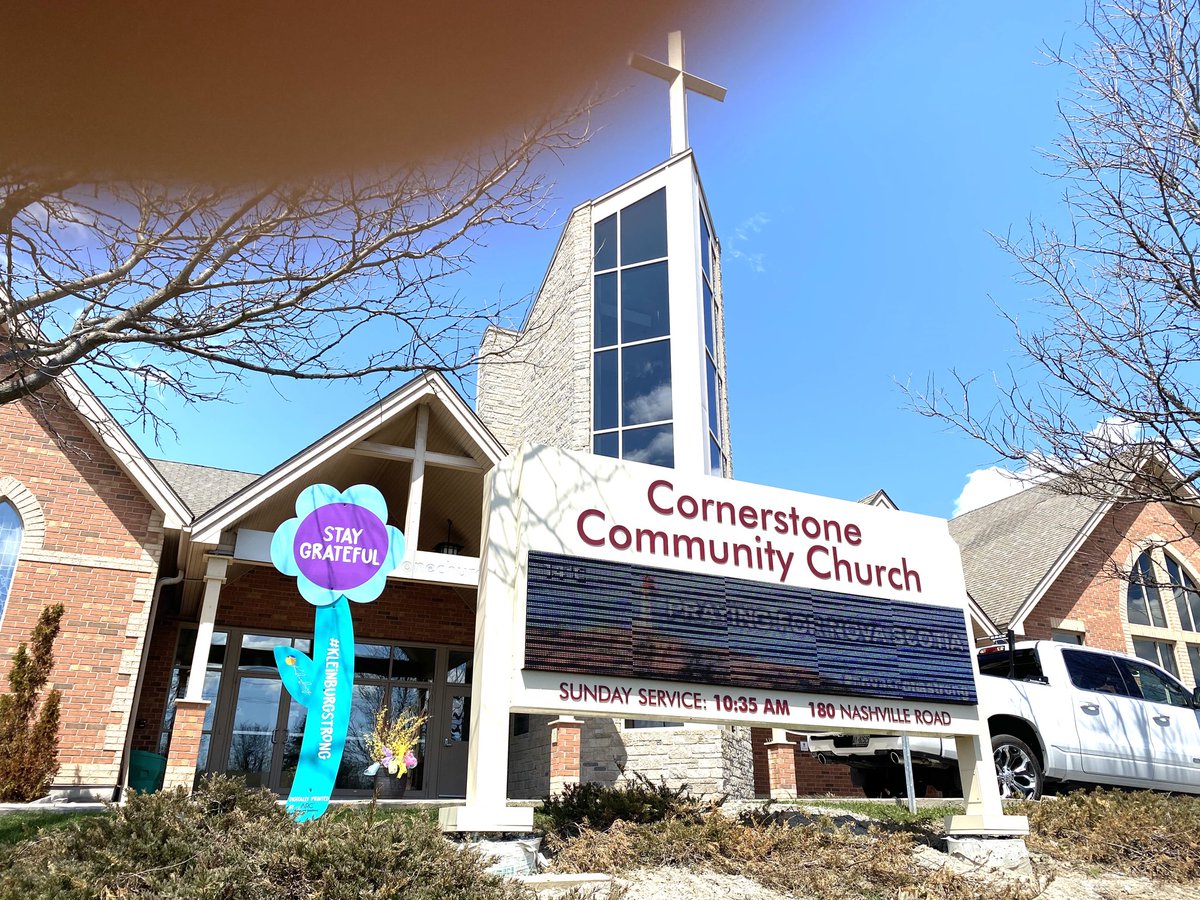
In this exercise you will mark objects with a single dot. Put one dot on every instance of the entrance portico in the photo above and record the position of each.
(221, 703)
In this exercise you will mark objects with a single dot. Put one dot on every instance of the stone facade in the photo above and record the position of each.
(535, 385)
(92, 541)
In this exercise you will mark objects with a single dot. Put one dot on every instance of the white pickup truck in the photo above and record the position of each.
(1057, 713)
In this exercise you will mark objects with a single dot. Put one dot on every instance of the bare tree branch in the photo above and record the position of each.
(182, 289)
(1114, 374)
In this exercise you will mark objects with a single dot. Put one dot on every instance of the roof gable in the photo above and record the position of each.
(261, 490)
(1013, 548)
(123, 449)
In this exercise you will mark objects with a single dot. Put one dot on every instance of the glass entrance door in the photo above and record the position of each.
(253, 738)
(265, 725)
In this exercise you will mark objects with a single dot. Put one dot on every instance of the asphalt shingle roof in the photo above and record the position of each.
(1008, 546)
(202, 487)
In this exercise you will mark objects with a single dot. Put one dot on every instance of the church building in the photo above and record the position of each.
(174, 610)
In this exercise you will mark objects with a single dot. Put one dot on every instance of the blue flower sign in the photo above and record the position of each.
(339, 548)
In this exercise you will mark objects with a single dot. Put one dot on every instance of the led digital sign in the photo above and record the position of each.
(596, 617)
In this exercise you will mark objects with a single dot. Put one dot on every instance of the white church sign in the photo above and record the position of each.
(624, 590)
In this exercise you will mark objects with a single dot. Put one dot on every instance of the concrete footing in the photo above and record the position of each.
(1007, 855)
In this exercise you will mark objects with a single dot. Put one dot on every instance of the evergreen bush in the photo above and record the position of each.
(596, 806)
(29, 729)
(228, 842)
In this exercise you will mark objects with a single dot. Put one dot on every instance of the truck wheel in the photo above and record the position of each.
(1017, 768)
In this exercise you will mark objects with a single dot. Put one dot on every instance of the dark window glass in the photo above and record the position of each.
(11, 530)
(1142, 603)
(460, 719)
(1025, 665)
(1095, 672)
(714, 457)
(605, 324)
(187, 646)
(1187, 598)
(644, 229)
(1194, 658)
(644, 309)
(604, 390)
(605, 236)
(258, 652)
(607, 444)
(1158, 652)
(714, 418)
(412, 664)
(520, 724)
(1067, 637)
(371, 660)
(645, 384)
(708, 319)
(459, 669)
(705, 251)
(1153, 685)
(654, 445)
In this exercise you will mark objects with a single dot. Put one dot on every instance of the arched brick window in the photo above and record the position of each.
(11, 530)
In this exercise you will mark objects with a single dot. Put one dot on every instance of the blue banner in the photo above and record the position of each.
(324, 685)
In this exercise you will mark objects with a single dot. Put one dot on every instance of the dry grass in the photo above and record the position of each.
(821, 860)
(1140, 833)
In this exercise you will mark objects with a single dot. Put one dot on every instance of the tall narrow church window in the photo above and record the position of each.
(1187, 597)
(10, 546)
(631, 335)
(1142, 601)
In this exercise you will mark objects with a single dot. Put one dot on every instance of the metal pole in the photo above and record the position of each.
(908, 774)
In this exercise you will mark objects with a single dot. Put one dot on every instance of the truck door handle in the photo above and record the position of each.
(1090, 708)
(1163, 720)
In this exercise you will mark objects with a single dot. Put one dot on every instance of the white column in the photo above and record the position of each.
(985, 813)
(501, 568)
(688, 390)
(214, 577)
(416, 485)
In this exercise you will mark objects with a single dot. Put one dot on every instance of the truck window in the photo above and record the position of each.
(1096, 672)
(1027, 665)
(1153, 685)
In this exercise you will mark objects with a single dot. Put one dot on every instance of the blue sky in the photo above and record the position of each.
(865, 152)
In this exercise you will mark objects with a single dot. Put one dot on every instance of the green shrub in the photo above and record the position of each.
(597, 806)
(29, 729)
(227, 842)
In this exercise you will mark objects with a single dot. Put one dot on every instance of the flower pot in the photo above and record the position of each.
(390, 787)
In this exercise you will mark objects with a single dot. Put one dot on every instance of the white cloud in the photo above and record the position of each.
(986, 486)
(742, 235)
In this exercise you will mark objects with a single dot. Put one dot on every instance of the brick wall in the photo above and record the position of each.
(812, 778)
(91, 541)
(1089, 590)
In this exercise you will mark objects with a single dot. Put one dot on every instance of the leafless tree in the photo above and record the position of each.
(181, 289)
(1114, 374)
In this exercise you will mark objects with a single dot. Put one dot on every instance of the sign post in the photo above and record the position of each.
(616, 589)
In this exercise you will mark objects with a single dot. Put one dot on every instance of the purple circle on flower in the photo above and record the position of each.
(340, 546)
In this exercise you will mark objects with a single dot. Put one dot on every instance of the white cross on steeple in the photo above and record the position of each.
(673, 73)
